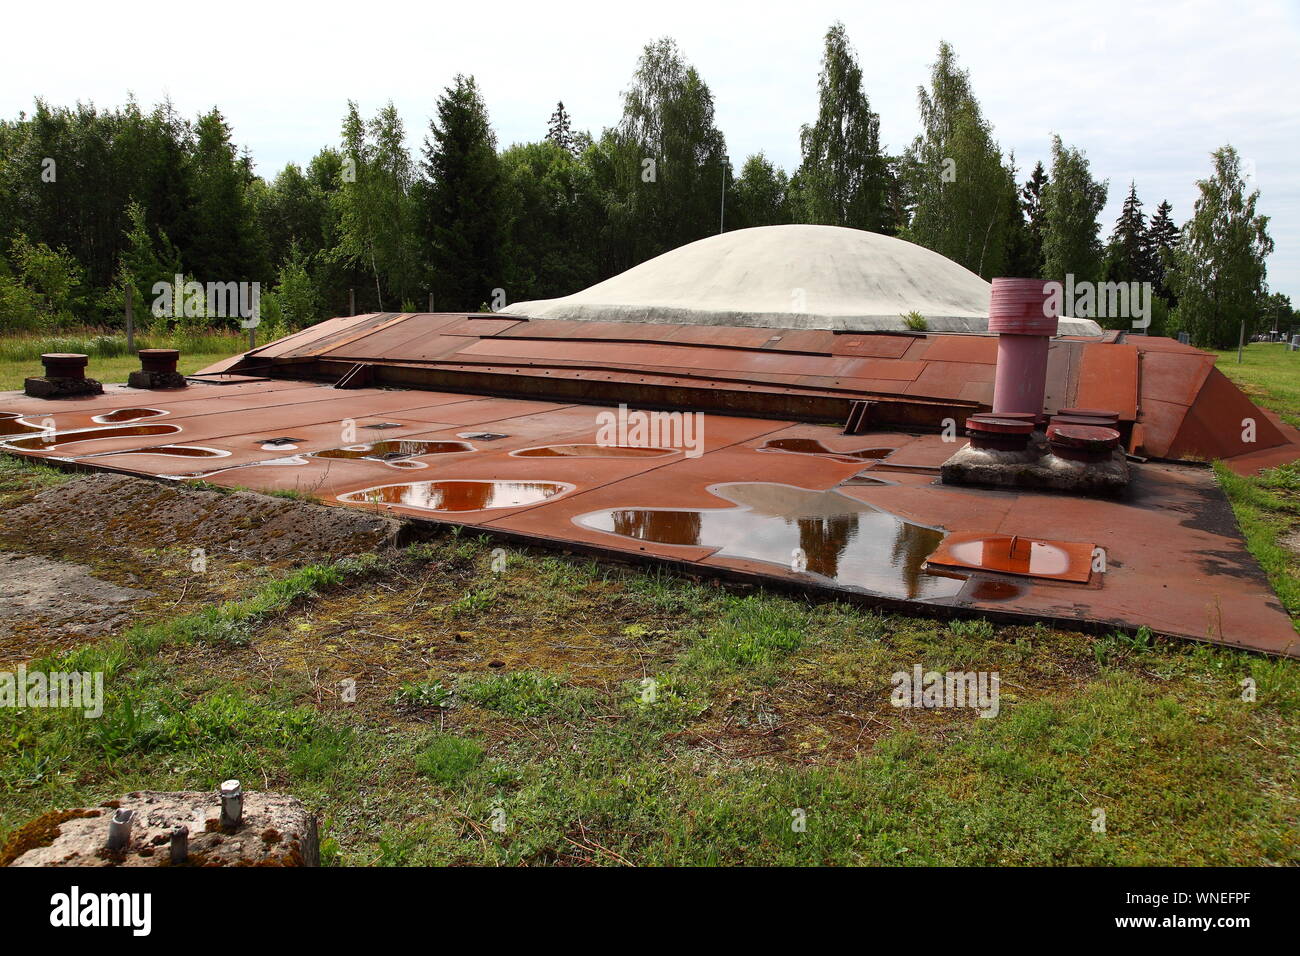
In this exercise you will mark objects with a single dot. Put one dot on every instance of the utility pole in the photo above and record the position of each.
(722, 204)
(352, 301)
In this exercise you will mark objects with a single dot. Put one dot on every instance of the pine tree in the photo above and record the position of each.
(221, 241)
(460, 198)
(843, 178)
(560, 129)
(1218, 269)
(1031, 205)
(1128, 255)
(1163, 236)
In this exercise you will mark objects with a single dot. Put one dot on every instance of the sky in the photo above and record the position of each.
(1146, 89)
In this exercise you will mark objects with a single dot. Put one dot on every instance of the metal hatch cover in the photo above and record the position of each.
(1016, 554)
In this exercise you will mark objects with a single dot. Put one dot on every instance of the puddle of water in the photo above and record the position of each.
(394, 450)
(463, 495)
(990, 590)
(63, 439)
(128, 415)
(11, 423)
(811, 446)
(1013, 556)
(841, 538)
(173, 451)
(593, 451)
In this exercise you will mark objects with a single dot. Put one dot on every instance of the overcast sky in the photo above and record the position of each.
(1147, 89)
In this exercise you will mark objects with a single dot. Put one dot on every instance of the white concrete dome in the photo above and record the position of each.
(790, 277)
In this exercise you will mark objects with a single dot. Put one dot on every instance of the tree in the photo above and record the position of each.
(960, 192)
(220, 243)
(144, 261)
(294, 291)
(461, 214)
(553, 214)
(760, 195)
(844, 178)
(377, 215)
(1071, 202)
(1128, 254)
(662, 167)
(1218, 268)
(1163, 236)
(560, 130)
(1031, 206)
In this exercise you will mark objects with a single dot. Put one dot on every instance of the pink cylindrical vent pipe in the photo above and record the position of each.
(1023, 313)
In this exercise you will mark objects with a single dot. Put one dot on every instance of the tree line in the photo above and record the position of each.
(95, 202)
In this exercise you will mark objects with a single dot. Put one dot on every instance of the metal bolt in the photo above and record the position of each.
(180, 845)
(232, 804)
(119, 829)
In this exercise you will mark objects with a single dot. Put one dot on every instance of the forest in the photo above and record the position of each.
(95, 201)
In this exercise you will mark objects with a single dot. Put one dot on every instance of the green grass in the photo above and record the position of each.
(1269, 374)
(757, 749)
(109, 360)
(449, 760)
(1267, 505)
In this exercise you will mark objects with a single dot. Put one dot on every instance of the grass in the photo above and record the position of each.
(1267, 505)
(1269, 374)
(768, 737)
(109, 360)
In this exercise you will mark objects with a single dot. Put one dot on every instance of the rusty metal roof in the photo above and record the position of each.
(1171, 401)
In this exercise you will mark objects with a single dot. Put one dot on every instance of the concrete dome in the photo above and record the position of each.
(789, 277)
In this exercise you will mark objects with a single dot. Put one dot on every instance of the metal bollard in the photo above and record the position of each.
(232, 804)
(119, 829)
(180, 845)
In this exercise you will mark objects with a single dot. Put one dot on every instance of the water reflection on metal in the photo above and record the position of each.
(80, 436)
(11, 423)
(122, 415)
(1017, 554)
(811, 446)
(170, 451)
(395, 450)
(460, 495)
(593, 451)
(991, 589)
(826, 533)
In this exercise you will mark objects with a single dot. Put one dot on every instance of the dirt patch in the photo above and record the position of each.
(239, 525)
(56, 594)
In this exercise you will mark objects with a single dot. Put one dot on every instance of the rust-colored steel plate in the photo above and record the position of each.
(980, 349)
(1174, 377)
(871, 346)
(1108, 378)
